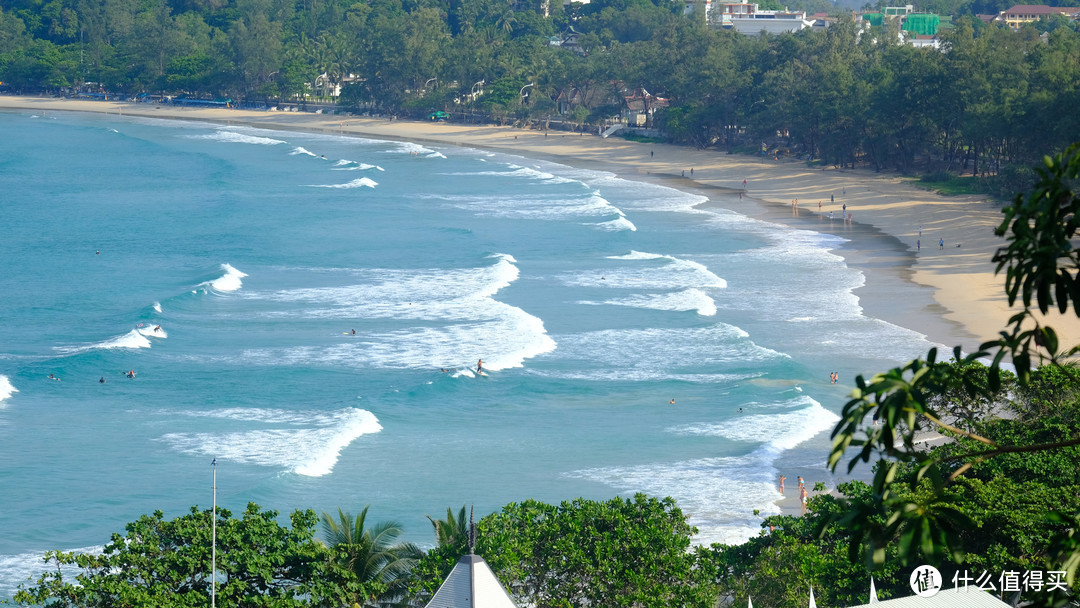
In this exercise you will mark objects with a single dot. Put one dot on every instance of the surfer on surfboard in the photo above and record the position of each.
(480, 366)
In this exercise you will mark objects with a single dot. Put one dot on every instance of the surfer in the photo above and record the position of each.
(157, 328)
(130, 374)
(52, 377)
(480, 366)
(672, 402)
(102, 380)
(354, 332)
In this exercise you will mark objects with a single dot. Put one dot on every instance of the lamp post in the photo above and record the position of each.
(521, 93)
(478, 83)
(213, 539)
(429, 82)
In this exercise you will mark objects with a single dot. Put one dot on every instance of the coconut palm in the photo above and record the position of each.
(452, 531)
(373, 554)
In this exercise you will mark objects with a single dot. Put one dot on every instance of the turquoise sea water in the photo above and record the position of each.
(592, 300)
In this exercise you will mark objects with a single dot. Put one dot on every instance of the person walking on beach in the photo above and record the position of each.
(941, 244)
(803, 495)
(782, 478)
(918, 245)
(802, 485)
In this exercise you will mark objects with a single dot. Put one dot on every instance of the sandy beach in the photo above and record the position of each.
(926, 256)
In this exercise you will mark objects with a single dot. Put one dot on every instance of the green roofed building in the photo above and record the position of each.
(874, 18)
(922, 24)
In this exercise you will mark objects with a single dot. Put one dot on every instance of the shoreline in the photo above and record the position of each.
(949, 294)
(956, 300)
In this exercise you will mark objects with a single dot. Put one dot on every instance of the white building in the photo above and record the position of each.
(748, 19)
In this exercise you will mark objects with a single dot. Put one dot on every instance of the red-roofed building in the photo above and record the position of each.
(1027, 13)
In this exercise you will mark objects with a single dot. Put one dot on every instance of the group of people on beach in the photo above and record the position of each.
(803, 492)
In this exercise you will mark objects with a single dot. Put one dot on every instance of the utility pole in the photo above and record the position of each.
(213, 539)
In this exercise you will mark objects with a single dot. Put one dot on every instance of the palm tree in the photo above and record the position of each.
(453, 531)
(373, 554)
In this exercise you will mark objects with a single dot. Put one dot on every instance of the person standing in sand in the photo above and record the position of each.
(782, 478)
(941, 244)
(802, 485)
(803, 495)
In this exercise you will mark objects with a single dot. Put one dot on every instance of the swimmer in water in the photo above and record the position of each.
(52, 377)
(102, 380)
(672, 402)
(130, 374)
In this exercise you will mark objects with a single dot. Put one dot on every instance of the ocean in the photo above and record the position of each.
(309, 310)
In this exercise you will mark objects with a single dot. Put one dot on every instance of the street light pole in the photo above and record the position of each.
(521, 93)
(213, 539)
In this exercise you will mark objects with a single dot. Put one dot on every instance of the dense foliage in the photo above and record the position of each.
(990, 105)
(163, 562)
(1028, 464)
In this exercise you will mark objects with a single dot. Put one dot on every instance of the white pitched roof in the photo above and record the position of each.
(471, 584)
(972, 597)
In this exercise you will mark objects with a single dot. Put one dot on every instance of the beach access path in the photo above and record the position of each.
(949, 240)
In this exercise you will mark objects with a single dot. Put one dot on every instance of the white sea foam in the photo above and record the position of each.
(352, 165)
(647, 271)
(451, 319)
(238, 138)
(153, 331)
(686, 299)
(517, 171)
(688, 354)
(305, 443)
(157, 306)
(25, 568)
(6, 389)
(132, 339)
(356, 183)
(408, 147)
(620, 223)
(302, 151)
(719, 495)
(801, 419)
(230, 281)
(533, 205)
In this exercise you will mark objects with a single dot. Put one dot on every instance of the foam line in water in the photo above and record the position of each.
(617, 225)
(304, 443)
(6, 389)
(302, 151)
(238, 138)
(352, 165)
(153, 331)
(801, 419)
(20, 568)
(673, 354)
(686, 299)
(230, 281)
(157, 307)
(452, 318)
(532, 205)
(415, 149)
(356, 183)
(132, 339)
(718, 495)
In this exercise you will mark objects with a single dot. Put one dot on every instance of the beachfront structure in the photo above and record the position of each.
(471, 584)
(1028, 13)
(750, 20)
